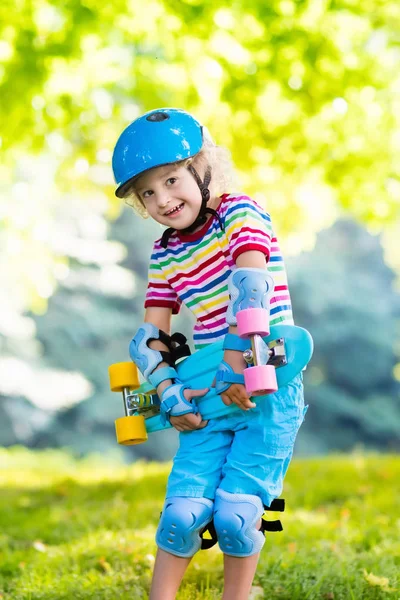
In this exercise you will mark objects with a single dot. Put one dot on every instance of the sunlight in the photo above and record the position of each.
(224, 18)
(224, 44)
(49, 389)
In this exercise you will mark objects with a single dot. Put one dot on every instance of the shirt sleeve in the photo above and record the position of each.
(248, 227)
(159, 291)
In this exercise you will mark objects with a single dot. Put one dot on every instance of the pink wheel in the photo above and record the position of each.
(251, 321)
(260, 380)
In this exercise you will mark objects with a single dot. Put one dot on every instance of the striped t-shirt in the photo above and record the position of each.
(194, 268)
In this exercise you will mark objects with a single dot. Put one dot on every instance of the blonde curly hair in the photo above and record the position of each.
(223, 177)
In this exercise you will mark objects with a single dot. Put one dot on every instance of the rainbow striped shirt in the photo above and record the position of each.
(194, 268)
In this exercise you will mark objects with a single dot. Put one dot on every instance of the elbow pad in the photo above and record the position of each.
(147, 359)
(248, 288)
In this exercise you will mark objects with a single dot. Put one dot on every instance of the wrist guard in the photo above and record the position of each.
(225, 375)
(174, 403)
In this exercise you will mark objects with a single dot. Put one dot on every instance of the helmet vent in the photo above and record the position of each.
(155, 117)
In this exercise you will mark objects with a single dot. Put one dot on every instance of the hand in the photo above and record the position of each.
(236, 393)
(190, 421)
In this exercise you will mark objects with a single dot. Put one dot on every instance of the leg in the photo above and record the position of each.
(257, 463)
(237, 520)
(178, 539)
(196, 471)
(167, 576)
(263, 444)
(238, 576)
(169, 571)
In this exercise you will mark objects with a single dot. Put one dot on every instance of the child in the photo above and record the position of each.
(226, 470)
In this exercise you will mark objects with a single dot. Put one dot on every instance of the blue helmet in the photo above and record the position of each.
(157, 138)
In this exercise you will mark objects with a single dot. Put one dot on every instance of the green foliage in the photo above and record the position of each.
(305, 95)
(85, 529)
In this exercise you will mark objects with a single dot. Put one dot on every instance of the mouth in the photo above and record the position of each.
(174, 211)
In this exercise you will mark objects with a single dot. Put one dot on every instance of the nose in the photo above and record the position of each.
(162, 199)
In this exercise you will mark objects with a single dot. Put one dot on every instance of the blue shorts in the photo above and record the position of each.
(246, 452)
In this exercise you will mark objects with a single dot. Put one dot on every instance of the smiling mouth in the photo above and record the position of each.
(174, 210)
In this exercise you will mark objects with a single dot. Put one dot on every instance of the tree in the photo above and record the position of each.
(88, 326)
(304, 94)
(344, 294)
(351, 314)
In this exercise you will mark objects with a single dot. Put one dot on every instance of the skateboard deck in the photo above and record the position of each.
(288, 348)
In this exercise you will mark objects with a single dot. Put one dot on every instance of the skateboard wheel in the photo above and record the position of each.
(260, 380)
(131, 430)
(123, 375)
(252, 321)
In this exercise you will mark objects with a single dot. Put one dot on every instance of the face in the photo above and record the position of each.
(170, 195)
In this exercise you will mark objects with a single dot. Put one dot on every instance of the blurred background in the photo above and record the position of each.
(306, 96)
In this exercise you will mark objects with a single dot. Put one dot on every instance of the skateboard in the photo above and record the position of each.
(286, 350)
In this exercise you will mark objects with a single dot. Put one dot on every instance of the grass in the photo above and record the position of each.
(79, 529)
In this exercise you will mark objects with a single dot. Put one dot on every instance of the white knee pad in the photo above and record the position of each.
(235, 520)
(182, 521)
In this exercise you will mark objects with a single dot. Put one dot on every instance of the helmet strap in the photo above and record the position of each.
(204, 210)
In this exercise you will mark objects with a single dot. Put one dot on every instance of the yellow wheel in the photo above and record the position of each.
(130, 430)
(123, 375)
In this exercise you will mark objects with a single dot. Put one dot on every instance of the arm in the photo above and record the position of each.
(161, 318)
(236, 393)
(252, 259)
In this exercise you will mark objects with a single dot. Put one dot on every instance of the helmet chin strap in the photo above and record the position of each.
(204, 209)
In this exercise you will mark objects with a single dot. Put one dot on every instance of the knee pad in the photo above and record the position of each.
(235, 521)
(248, 288)
(181, 524)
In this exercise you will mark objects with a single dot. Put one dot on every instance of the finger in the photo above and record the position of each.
(246, 404)
(240, 401)
(196, 393)
(226, 399)
(239, 392)
(192, 420)
(177, 423)
(194, 424)
(244, 400)
(185, 425)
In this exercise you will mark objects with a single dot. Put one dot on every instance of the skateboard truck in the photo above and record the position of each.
(261, 353)
(140, 402)
(131, 429)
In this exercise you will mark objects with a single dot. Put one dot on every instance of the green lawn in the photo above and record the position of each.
(72, 530)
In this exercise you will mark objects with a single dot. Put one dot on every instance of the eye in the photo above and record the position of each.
(147, 194)
(171, 180)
